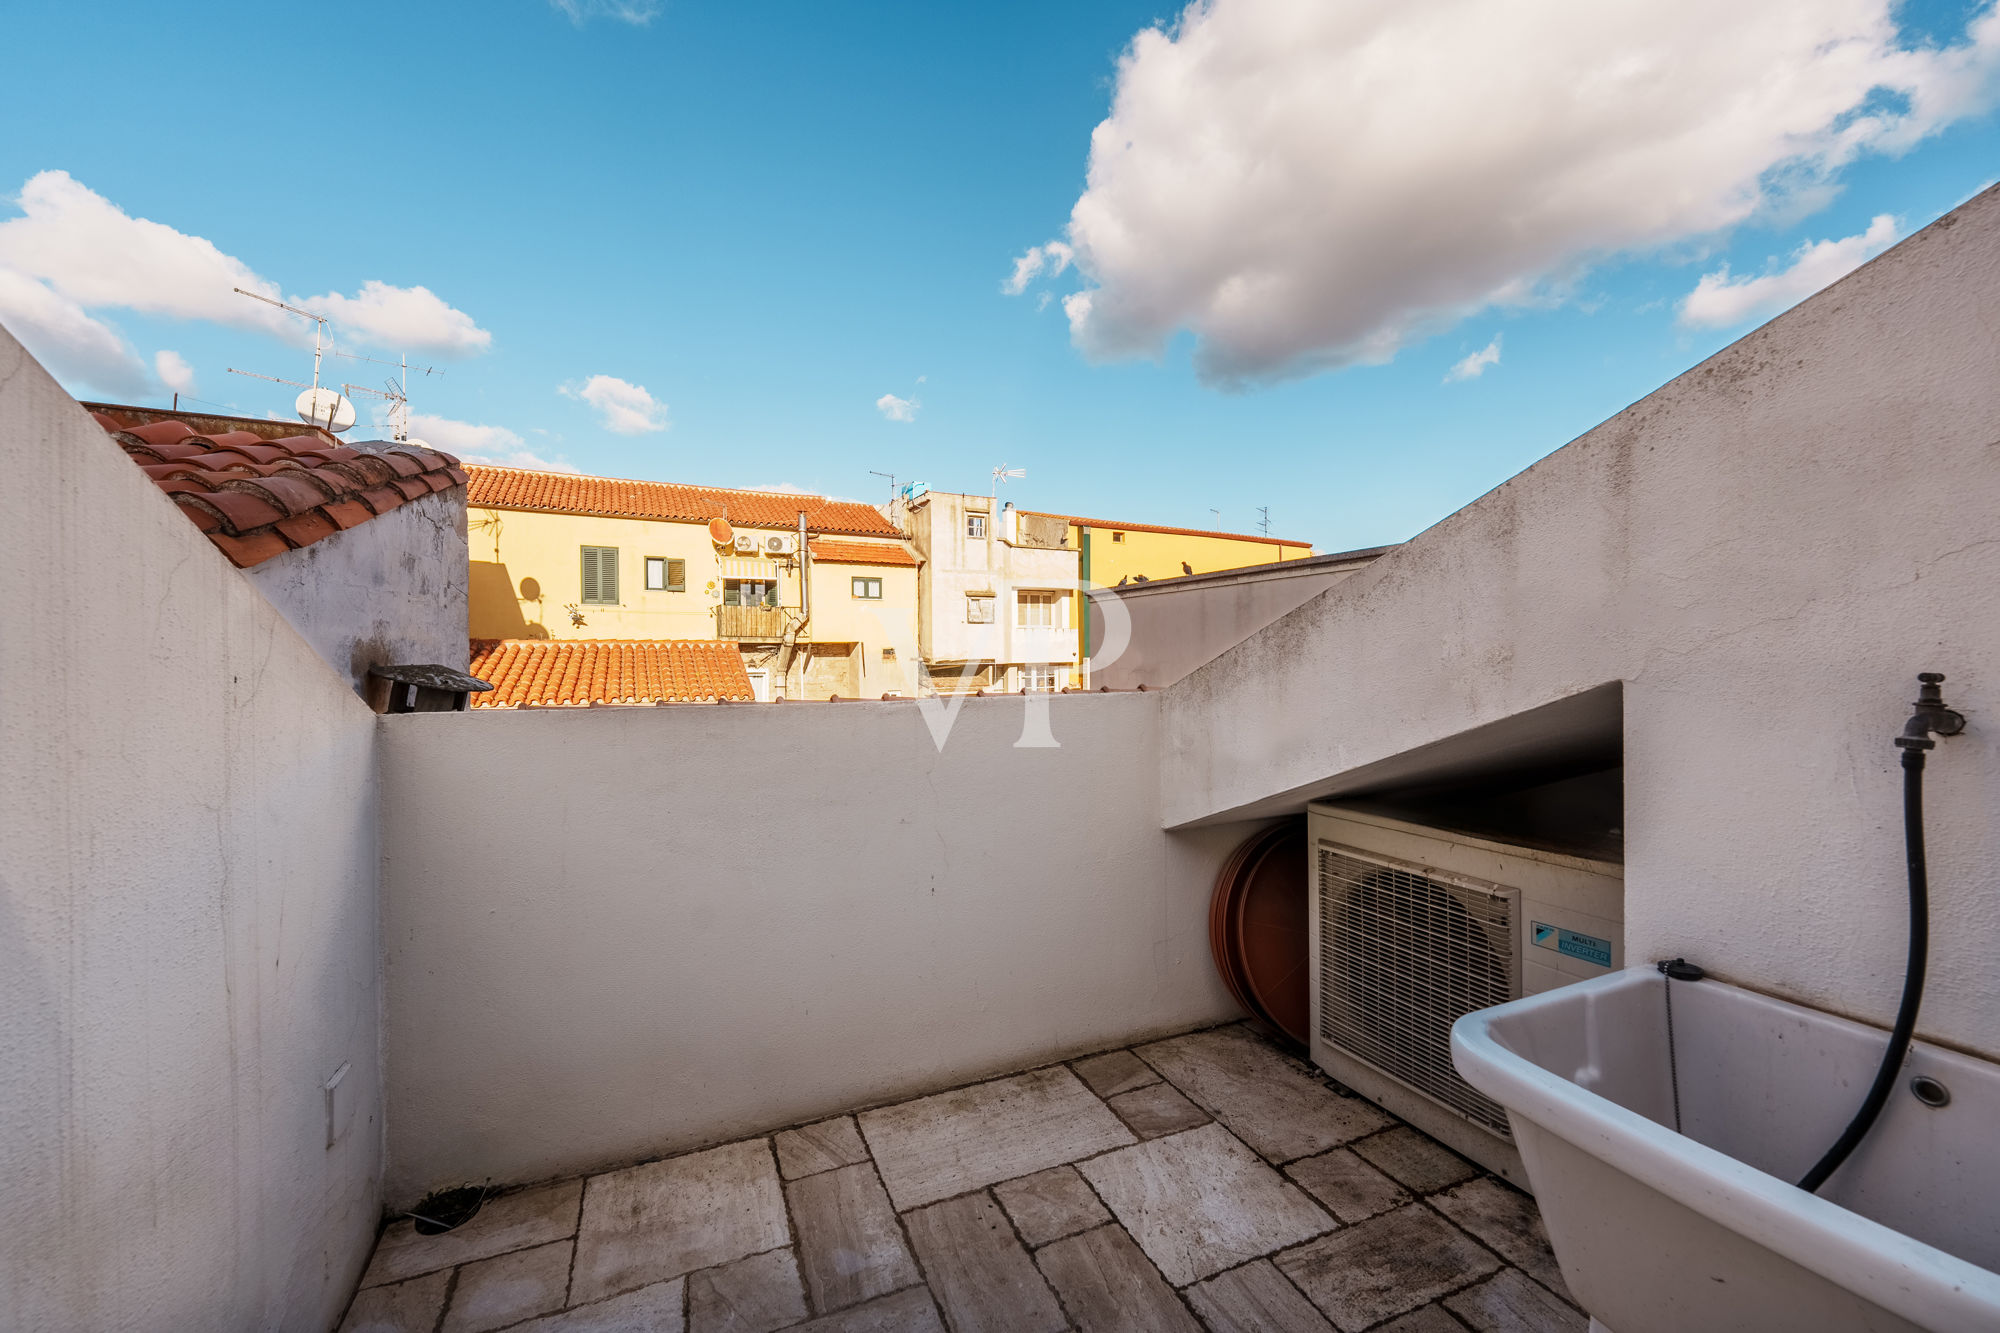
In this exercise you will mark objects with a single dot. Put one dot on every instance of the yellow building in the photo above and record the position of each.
(1115, 553)
(561, 556)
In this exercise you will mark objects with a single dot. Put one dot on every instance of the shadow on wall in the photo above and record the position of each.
(496, 610)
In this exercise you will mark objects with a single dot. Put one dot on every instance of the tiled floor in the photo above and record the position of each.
(1202, 1182)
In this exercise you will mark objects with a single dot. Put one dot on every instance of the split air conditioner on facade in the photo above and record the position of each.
(780, 543)
(749, 543)
(1413, 927)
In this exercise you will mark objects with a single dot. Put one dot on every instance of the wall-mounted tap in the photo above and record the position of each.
(1929, 715)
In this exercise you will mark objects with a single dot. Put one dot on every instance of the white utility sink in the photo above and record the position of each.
(1665, 1232)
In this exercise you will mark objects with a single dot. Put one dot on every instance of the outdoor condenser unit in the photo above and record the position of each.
(1413, 927)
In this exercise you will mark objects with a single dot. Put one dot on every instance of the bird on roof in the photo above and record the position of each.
(1140, 578)
(1124, 579)
(1186, 568)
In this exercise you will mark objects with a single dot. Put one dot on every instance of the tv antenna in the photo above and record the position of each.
(892, 482)
(1003, 474)
(396, 392)
(1264, 521)
(321, 407)
(1218, 516)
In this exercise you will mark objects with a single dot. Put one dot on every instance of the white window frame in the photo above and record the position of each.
(1038, 600)
(1043, 678)
(979, 608)
(975, 527)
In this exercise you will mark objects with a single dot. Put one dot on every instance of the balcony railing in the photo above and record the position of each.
(750, 622)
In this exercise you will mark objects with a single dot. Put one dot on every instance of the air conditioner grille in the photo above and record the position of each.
(1402, 957)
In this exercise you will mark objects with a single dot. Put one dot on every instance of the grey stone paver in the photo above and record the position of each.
(1115, 1072)
(908, 1311)
(1201, 1202)
(983, 1279)
(1428, 1319)
(1271, 1104)
(665, 1219)
(1352, 1189)
(1508, 1222)
(1108, 1287)
(1156, 1110)
(1051, 1204)
(754, 1295)
(850, 1248)
(1514, 1303)
(507, 1222)
(653, 1309)
(1385, 1266)
(410, 1306)
(1421, 1163)
(508, 1288)
(822, 1147)
(954, 1142)
(1255, 1299)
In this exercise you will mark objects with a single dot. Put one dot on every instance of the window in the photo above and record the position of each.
(665, 575)
(888, 654)
(868, 588)
(749, 592)
(600, 575)
(1117, 536)
(979, 609)
(1035, 610)
(1038, 678)
(975, 525)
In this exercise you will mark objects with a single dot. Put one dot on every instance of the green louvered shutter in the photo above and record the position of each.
(600, 575)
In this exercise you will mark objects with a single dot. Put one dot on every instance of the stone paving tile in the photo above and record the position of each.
(967, 1139)
(1429, 1319)
(1271, 1103)
(665, 1219)
(1201, 1202)
(1512, 1303)
(1508, 1221)
(1419, 1162)
(1115, 1072)
(508, 1222)
(654, 1309)
(850, 1248)
(403, 1307)
(754, 1295)
(978, 1271)
(908, 1311)
(822, 1147)
(1108, 1286)
(1152, 1111)
(1255, 1299)
(1385, 1266)
(508, 1288)
(1352, 1189)
(1051, 1204)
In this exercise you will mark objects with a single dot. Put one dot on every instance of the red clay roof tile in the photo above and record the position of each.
(861, 553)
(567, 493)
(578, 672)
(259, 489)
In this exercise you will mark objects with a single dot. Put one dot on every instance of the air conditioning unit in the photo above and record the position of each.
(1413, 927)
(749, 543)
(780, 543)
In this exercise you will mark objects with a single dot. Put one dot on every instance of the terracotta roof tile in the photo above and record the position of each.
(862, 553)
(567, 493)
(575, 673)
(259, 489)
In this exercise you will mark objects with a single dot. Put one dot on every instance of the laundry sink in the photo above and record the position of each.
(1659, 1231)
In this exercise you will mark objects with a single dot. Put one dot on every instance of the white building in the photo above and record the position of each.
(995, 594)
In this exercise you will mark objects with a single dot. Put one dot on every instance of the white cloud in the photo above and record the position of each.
(63, 337)
(636, 12)
(1052, 258)
(96, 255)
(1472, 367)
(482, 444)
(1719, 301)
(174, 371)
(622, 408)
(897, 409)
(1306, 185)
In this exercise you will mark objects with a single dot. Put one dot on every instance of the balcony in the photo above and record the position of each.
(757, 624)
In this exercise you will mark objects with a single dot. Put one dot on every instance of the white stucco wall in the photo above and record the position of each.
(391, 592)
(956, 565)
(187, 918)
(1178, 624)
(1766, 551)
(623, 932)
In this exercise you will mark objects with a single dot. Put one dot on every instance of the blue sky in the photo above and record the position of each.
(770, 216)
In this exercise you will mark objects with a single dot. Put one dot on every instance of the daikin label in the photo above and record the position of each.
(1574, 943)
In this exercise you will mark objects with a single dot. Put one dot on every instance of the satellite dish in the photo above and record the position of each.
(326, 409)
(720, 532)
